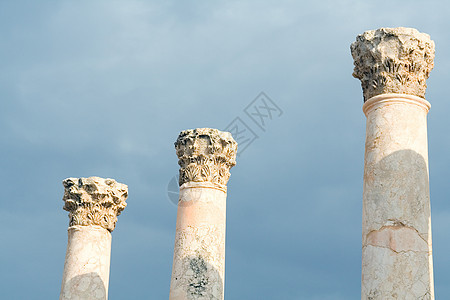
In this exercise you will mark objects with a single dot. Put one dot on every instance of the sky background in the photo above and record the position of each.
(102, 88)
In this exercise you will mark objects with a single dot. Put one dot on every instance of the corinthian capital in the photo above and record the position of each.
(94, 201)
(393, 60)
(205, 154)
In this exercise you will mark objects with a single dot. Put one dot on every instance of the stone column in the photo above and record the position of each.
(93, 204)
(393, 65)
(205, 158)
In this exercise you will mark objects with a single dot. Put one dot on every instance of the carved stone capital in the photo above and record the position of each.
(205, 154)
(94, 201)
(393, 60)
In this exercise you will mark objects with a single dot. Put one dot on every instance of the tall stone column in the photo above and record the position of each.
(93, 204)
(205, 158)
(393, 65)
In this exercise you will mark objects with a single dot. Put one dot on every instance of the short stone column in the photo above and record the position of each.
(93, 204)
(393, 65)
(205, 158)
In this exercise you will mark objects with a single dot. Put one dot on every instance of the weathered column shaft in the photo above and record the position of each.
(93, 204)
(86, 268)
(205, 157)
(393, 65)
(396, 205)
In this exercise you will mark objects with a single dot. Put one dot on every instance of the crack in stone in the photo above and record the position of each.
(396, 224)
(397, 252)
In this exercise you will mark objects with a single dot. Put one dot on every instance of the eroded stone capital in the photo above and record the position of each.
(393, 60)
(94, 201)
(205, 154)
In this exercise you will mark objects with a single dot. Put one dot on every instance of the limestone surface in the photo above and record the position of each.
(393, 60)
(198, 271)
(396, 225)
(86, 267)
(94, 201)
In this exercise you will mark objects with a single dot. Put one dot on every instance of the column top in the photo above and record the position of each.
(205, 154)
(94, 201)
(393, 60)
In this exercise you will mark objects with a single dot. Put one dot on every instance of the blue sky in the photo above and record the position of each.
(102, 88)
